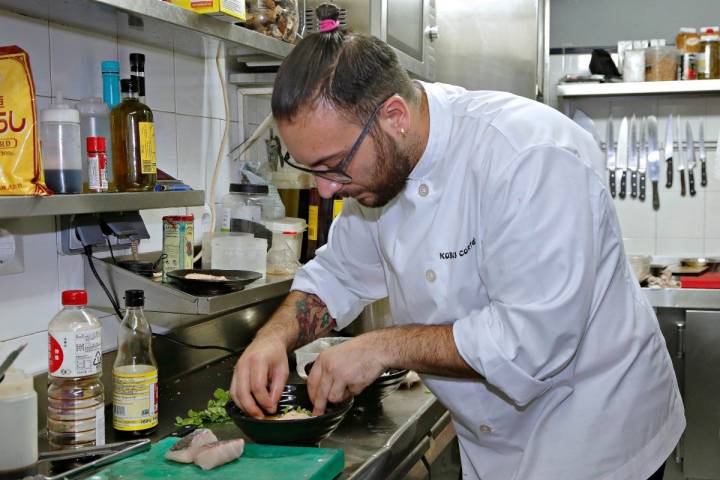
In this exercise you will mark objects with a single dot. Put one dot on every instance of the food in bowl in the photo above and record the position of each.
(289, 412)
(205, 276)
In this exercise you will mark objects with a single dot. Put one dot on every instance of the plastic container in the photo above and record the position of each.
(239, 251)
(95, 122)
(178, 241)
(245, 202)
(61, 151)
(111, 82)
(661, 64)
(277, 18)
(76, 401)
(634, 66)
(287, 236)
(18, 417)
(709, 59)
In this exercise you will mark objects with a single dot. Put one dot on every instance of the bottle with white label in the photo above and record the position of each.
(135, 373)
(76, 401)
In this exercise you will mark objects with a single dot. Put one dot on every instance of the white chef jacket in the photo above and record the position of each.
(506, 231)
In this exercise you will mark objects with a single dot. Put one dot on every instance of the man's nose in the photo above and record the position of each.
(326, 188)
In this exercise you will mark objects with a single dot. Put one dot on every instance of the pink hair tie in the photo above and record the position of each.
(328, 25)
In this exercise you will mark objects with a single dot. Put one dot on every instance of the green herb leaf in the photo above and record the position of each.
(214, 413)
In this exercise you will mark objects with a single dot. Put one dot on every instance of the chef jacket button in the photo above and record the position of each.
(423, 190)
(485, 429)
(430, 276)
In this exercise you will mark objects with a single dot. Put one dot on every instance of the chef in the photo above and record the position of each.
(485, 219)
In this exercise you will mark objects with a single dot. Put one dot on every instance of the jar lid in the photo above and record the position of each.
(16, 383)
(74, 297)
(688, 30)
(60, 111)
(178, 218)
(134, 298)
(287, 224)
(247, 188)
(95, 144)
(710, 38)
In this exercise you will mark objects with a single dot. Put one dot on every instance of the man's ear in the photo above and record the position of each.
(395, 115)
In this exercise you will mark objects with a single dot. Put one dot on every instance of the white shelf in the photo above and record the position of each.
(637, 88)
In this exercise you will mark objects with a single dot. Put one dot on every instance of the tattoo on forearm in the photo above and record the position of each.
(313, 318)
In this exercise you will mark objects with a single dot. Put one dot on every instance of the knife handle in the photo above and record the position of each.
(703, 174)
(633, 184)
(642, 187)
(611, 182)
(669, 173)
(691, 182)
(623, 184)
(682, 183)
(656, 196)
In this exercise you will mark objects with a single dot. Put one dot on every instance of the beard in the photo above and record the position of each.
(391, 171)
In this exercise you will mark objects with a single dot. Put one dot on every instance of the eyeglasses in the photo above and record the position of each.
(338, 174)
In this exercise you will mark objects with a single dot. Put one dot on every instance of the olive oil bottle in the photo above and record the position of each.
(133, 142)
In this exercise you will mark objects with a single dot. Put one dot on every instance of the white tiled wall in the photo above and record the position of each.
(185, 95)
(684, 226)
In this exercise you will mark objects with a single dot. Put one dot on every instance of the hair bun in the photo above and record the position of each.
(327, 11)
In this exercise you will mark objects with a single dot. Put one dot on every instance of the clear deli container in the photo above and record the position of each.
(287, 235)
(661, 64)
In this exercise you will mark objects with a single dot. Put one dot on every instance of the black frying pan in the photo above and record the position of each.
(236, 280)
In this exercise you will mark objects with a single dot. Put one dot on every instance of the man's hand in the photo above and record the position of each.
(344, 371)
(264, 363)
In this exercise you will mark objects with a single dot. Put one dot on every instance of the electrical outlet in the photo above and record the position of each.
(87, 226)
(11, 253)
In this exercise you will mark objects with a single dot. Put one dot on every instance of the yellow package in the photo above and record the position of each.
(21, 170)
(227, 10)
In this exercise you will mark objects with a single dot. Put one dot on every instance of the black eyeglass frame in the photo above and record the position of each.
(338, 174)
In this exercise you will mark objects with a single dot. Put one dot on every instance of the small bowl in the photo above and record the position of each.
(302, 432)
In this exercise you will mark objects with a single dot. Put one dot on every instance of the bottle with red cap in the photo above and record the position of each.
(76, 401)
(97, 164)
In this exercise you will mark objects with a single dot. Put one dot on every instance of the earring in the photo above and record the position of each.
(402, 132)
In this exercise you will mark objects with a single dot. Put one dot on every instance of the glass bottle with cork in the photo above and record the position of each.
(133, 142)
(135, 373)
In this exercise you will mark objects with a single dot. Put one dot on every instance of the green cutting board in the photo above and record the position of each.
(258, 462)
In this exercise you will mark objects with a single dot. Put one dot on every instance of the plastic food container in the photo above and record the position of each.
(277, 18)
(284, 255)
(660, 64)
(18, 417)
(61, 152)
(634, 66)
(239, 252)
(308, 353)
(244, 203)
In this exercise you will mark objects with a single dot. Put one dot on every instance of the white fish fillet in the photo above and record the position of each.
(219, 453)
(186, 449)
(205, 276)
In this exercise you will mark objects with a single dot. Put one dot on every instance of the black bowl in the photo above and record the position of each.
(374, 393)
(236, 280)
(385, 384)
(302, 432)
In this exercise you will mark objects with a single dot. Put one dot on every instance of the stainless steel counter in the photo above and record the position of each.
(685, 298)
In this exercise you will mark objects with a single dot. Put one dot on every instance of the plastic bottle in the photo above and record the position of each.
(96, 164)
(18, 417)
(61, 152)
(135, 373)
(95, 122)
(111, 82)
(76, 402)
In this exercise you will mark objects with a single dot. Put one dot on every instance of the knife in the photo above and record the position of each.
(669, 150)
(682, 163)
(642, 162)
(690, 145)
(703, 156)
(10, 359)
(610, 155)
(653, 157)
(633, 157)
(622, 155)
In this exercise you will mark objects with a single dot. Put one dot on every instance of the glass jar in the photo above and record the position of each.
(684, 35)
(660, 64)
(277, 18)
(245, 203)
(709, 59)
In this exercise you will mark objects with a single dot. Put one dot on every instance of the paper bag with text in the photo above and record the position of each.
(21, 170)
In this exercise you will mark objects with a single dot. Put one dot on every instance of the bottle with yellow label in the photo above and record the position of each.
(135, 373)
(133, 141)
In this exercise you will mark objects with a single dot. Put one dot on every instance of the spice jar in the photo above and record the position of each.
(660, 63)
(709, 59)
(276, 18)
(687, 34)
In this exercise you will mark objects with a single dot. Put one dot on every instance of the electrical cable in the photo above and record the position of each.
(116, 307)
(112, 254)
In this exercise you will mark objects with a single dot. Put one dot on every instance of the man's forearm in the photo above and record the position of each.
(426, 349)
(300, 319)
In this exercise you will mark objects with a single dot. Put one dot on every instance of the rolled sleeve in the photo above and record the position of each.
(347, 273)
(538, 256)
